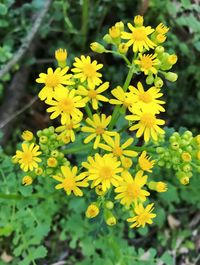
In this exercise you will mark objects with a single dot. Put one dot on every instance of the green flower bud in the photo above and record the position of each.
(43, 139)
(186, 168)
(149, 80)
(39, 133)
(54, 153)
(175, 145)
(109, 205)
(160, 150)
(159, 49)
(97, 47)
(172, 77)
(107, 38)
(161, 163)
(158, 82)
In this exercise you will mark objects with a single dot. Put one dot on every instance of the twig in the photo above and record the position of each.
(12, 117)
(27, 40)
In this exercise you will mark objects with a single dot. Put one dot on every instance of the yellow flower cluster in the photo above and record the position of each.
(117, 165)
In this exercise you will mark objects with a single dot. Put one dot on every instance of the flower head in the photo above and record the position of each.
(138, 37)
(66, 103)
(70, 181)
(146, 100)
(92, 211)
(122, 98)
(97, 129)
(130, 189)
(27, 136)
(111, 220)
(143, 215)
(145, 163)
(158, 186)
(52, 162)
(93, 95)
(27, 180)
(114, 146)
(53, 80)
(85, 70)
(28, 157)
(103, 170)
(147, 63)
(147, 124)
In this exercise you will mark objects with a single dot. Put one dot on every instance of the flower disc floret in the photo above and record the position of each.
(147, 63)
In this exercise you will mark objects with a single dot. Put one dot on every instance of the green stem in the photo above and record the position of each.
(116, 112)
(88, 111)
(77, 149)
(20, 197)
(85, 16)
(121, 55)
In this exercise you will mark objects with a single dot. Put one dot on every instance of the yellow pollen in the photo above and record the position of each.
(148, 120)
(106, 172)
(145, 97)
(92, 94)
(99, 130)
(66, 105)
(89, 70)
(139, 34)
(117, 151)
(146, 62)
(52, 80)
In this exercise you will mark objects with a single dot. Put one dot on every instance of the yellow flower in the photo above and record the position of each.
(67, 130)
(158, 186)
(162, 29)
(114, 32)
(28, 157)
(103, 170)
(27, 180)
(138, 21)
(92, 211)
(70, 181)
(27, 136)
(139, 38)
(111, 221)
(38, 171)
(97, 129)
(93, 94)
(115, 147)
(122, 98)
(99, 190)
(145, 163)
(66, 103)
(146, 100)
(186, 157)
(61, 57)
(53, 80)
(126, 163)
(147, 63)
(130, 190)
(147, 124)
(52, 162)
(143, 215)
(85, 70)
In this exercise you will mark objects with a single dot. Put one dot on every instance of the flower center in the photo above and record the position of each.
(69, 184)
(133, 190)
(106, 172)
(89, 70)
(92, 94)
(145, 164)
(139, 34)
(143, 218)
(146, 62)
(52, 80)
(66, 105)
(145, 97)
(148, 120)
(69, 126)
(117, 151)
(99, 130)
(27, 157)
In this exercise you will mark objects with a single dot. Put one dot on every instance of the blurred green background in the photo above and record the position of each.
(53, 229)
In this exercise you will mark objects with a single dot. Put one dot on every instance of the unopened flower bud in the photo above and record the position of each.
(92, 211)
(109, 205)
(122, 48)
(170, 76)
(97, 47)
(27, 180)
(27, 136)
(138, 21)
(61, 57)
(149, 80)
(158, 82)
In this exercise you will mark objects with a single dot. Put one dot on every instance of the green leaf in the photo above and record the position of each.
(167, 259)
(3, 9)
(39, 252)
(186, 4)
